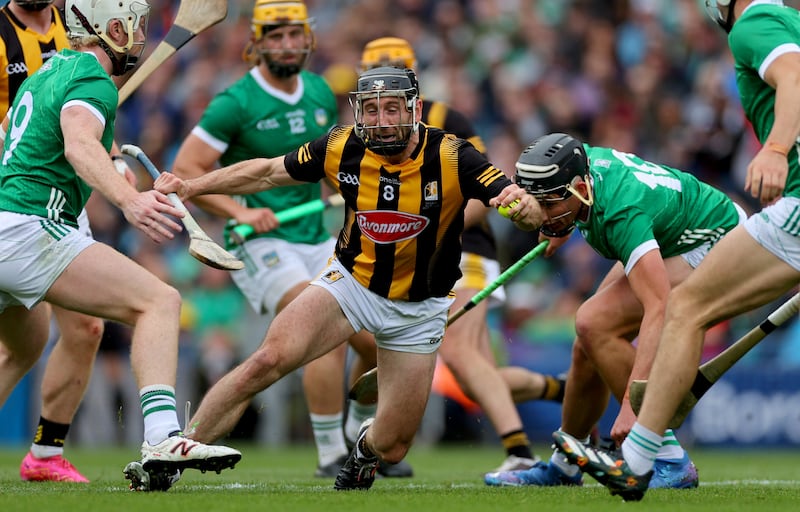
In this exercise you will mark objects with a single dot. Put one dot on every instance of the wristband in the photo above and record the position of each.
(777, 148)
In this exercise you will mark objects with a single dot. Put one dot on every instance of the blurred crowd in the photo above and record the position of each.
(650, 77)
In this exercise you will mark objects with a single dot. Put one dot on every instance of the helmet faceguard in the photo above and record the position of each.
(272, 14)
(381, 85)
(388, 51)
(724, 20)
(86, 18)
(33, 5)
(548, 169)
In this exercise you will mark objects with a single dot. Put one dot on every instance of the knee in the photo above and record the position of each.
(394, 452)
(87, 332)
(167, 298)
(587, 333)
(681, 307)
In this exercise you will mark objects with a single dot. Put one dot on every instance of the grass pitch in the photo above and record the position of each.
(446, 478)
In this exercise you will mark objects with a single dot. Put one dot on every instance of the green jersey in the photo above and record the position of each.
(251, 119)
(35, 176)
(639, 205)
(763, 33)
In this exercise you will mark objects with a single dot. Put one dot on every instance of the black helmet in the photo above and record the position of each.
(547, 169)
(378, 83)
(550, 164)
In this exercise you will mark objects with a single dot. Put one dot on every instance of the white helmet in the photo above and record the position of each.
(91, 18)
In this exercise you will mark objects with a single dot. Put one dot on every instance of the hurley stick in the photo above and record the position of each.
(194, 16)
(201, 246)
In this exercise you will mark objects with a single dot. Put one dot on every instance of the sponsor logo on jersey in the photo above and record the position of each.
(386, 227)
(432, 191)
(267, 124)
(16, 68)
(321, 117)
(350, 179)
(434, 341)
(332, 276)
(390, 181)
(48, 54)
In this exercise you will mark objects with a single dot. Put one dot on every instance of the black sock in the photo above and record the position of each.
(554, 388)
(50, 433)
(517, 443)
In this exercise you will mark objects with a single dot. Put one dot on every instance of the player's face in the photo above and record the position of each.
(560, 212)
(386, 118)
(285, 45)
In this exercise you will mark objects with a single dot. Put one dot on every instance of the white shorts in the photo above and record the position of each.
(416, 327)
(83, 223)
(274, 266)
(34, 251)
(479, 272)
(696, 255)
(777, 229)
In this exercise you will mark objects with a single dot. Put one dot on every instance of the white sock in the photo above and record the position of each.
(640, 448)
(356, 414)
(561, 462)
(40, 451)
(159, 411)
(670, 449)
(328, 436)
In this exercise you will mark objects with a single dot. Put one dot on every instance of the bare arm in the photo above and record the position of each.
(82, 148)
(474, 213)
(767, 172)
(245, 177)
(195, 158)
(650, 283)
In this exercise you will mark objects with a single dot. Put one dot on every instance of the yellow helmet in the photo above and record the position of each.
(271, 13)
(388, 51)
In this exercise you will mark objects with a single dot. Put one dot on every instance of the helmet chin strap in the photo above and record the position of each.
(589, 199)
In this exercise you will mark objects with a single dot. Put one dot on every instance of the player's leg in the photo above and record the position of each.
(23, 337)
(464, 350)
(277, 272)
(284, 349)
(102, 282)
(736, 276)
(364, 359)
(66, 376)
(406, 361)
(323, 381)
(404, 387)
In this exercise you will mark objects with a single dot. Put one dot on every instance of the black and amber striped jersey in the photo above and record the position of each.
(402, 229)
(23, 51)
(477, 239)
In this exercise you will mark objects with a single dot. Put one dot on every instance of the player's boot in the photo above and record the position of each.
(357, 472)
(143, 481)
(674, 474)
(50, 469)
(604, 466)
(542, 474)
(514, 463)
(178, 453)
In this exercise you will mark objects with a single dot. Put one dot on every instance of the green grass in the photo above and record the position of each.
(447, 478)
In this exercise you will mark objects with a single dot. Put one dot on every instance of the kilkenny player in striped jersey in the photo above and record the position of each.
(405, 187)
